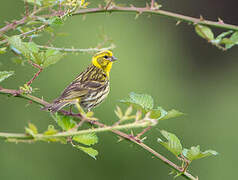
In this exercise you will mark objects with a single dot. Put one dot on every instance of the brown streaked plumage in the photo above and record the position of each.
(90, 87)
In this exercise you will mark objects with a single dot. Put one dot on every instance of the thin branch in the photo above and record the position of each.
(24, 96)
(12, 25)
(35, 30)
(144, 146)
(16, 23)
(80, 132)
(110, 9)
(143, 132)
(26, 8)
(178, 17)
(40, 69)
(112, 46)
(100, 125)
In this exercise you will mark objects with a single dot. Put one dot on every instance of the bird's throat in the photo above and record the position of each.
(106, 68)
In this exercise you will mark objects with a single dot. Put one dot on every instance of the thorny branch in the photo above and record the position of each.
(112, 8)
(109, 8)
(101, 127)
(176, 16)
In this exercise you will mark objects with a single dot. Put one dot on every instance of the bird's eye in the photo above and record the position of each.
(105, 57)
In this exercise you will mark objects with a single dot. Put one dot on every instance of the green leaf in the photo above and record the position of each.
(87, 139)
(234, 39)
(51, 130)
(88, 150)
(16, 42)
(142, 102)
(38, 58)
(35, 2)
(65, 122)
(158, 113)
(32, 47)
(31, 129)
(173, 144)
(49, 2)
(194, 153)
(5, 74)
(28, 49)
(222, 35)
(55, 21)
(172, 114)
(3, 50)
(51, 57)
(226, 41)
(204, 31)
(118, 112)
(18, 60)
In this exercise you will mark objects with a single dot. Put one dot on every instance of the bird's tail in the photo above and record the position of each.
(56, 106)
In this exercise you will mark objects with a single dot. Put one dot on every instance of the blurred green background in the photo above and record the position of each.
(178, 68)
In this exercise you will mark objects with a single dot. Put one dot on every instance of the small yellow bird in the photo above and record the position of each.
(90, 87)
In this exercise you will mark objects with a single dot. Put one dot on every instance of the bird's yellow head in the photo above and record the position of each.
(104, 60)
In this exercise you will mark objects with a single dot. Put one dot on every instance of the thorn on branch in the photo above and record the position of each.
(177, 23)
(133, 138)
(220, 21)
(132, 6)
(147, 6)
(143, 132)
(201, 18)
(108, 4)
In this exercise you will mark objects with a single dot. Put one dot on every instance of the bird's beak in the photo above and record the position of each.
(113, 58)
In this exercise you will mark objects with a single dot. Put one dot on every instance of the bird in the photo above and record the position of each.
(90, 87)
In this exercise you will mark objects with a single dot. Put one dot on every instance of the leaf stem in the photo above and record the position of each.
(73, 133)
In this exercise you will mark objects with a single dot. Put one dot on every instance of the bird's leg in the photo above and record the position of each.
(80, 109)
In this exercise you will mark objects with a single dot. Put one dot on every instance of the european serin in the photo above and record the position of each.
(90, 87)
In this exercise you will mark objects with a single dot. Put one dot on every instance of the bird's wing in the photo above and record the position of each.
(89, 80)
(79, 89)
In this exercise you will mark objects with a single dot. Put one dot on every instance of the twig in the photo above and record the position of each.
(34, 30)
(112, 129)
(112, 46)
(73, 133)
(19, 22)
(26, 8)
(36, 74)
(12, 25)
(110, 9)
(143, 132)
(24, 96)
